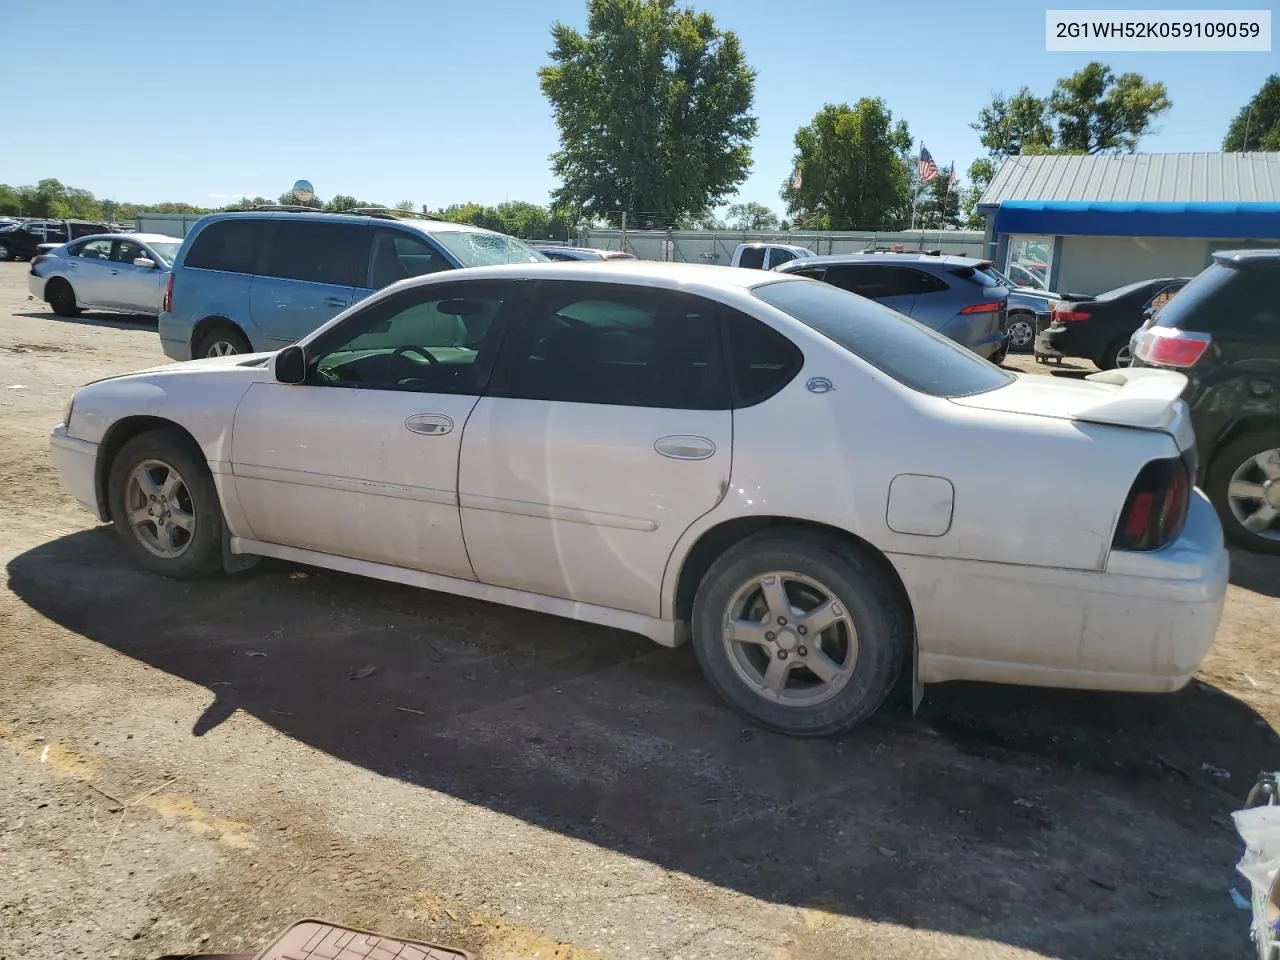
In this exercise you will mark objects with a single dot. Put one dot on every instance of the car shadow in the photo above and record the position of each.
(1258, 572)
(1080, 825)
(118, 321)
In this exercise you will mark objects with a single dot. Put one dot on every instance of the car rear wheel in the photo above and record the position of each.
(6, 251)
(1243, 484)
(62, 299)
(221, 341)
(1022, 332)
(165, 507)
(800, 633)
(1116, 355)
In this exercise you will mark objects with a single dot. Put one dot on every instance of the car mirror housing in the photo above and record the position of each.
(144, 262)
(290, 365)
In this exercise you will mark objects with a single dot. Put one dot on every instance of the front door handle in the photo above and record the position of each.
(115, 273)
(335, 301)
(429, 424)
(681, 447)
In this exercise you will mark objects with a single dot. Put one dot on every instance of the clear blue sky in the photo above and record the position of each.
(438, 102)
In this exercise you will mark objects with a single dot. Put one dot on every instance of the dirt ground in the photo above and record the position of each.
(194, 766)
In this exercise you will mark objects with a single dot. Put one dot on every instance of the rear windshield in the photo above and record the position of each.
(980, 276)
(1221, 295)
(908, 351)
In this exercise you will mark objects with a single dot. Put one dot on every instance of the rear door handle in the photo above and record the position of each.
(682, 447)
(429, 424)
(115, 273)
(335, 301)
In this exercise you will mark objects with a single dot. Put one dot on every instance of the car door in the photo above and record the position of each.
(309, 273)
(606, 432)
(397, 255)
(133, 288)
(361, 460)
(882, 283)
(89, 272)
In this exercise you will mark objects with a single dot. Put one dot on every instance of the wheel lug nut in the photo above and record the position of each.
(801, 630)
(770, 636)
(782, 654)
(803, 651)
(782, 621)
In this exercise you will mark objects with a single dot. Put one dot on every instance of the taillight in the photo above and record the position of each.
(36, 261)
(1156, 508)
(1170, 347)
(167, 304)
(1067, 315)
(993, 306)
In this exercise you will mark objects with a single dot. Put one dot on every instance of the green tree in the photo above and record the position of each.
(1099, 112)
(289, 197)
(653, 106)
(939, 204)
(10, 199)
(405, 206)
(751, 216)
(1257, 125)
(340, 202)
(980, 174)
(851, 168)
(1017, 122)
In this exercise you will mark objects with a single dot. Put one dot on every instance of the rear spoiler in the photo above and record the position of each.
(1147, 399)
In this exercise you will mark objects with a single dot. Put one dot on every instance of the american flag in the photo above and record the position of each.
(928, 169)
(797, 180)
(953, 179)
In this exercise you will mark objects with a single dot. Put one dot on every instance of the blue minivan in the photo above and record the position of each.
(259, 280)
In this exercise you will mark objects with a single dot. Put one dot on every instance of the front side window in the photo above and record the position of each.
(436, 339)
(614, 344)
(907, 351)
(395, 255)
(127, 251)
(229, 245)
(477, 248)
(315, 252)
(780, 256)
(96, 250)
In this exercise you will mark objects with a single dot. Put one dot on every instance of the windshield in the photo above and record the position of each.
(166, 251)
(476, 249)
(908, 351)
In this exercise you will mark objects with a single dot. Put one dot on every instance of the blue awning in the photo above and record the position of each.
(1236, 221)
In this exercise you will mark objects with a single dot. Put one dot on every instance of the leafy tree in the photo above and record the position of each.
(292, 198)
(340, 202)
(1098, 112)
(1020, 121)
(938, 205)
(980, 174)
(752, 216)
(852, 168)
(1257, 125)
(405, 206)
(653, 106)
(10, 199)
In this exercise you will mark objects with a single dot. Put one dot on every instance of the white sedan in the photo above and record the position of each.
(119, 272)
(815, 489)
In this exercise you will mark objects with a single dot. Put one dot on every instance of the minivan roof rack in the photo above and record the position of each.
(383, 213)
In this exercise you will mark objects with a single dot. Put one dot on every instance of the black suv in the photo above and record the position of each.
(22, 240)
(1223, 331)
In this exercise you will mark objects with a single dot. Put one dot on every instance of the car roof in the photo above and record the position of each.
(951, 260)
(128, 235)
(1239, 258)
(706, 279)
(423, 226)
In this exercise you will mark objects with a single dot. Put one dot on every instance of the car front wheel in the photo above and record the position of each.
(1243, 484)
(164, 505)
(800, 633)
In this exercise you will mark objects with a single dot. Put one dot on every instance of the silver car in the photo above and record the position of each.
(121, 272)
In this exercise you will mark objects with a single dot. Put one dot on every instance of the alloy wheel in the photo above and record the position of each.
(221, 348)
(1253, 494)
(160, 510)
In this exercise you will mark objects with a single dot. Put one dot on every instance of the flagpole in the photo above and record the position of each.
(951, 176)
(915, 194)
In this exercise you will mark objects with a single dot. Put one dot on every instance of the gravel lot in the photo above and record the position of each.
(194, 766)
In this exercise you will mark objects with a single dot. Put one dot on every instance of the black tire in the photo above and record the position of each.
(1109, 358)
(62, 299)
(1026, 322)
(868, 596)
(1224, 464)
(6, 252)
(202, 554)
(221, 340)
(1000, 355)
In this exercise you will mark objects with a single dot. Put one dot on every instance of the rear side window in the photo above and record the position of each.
(1232, 301)
(315, 252)
(761, 360)
(876, 281)
(226, 245)
(752, 258)
(909, 352)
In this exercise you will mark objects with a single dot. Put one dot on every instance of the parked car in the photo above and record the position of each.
(589, 254)
(950, 294)
(1100, 329)
(767, 256)
(1025, 304)
(256, 281)
(21, 241)
(621, 447)
(1223, 332)
(1031, 276)
(126, 273)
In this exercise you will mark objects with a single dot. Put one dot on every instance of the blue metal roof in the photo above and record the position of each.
(1139, 219)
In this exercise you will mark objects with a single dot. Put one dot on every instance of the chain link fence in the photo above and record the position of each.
(715, 246)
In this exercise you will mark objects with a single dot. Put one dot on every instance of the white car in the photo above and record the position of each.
(813, 487)
(119, 272)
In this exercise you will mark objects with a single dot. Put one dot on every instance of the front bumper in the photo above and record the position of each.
(76, 463)
(35, 286)
(1143, 625)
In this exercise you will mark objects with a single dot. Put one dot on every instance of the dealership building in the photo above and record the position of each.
(1086, 224)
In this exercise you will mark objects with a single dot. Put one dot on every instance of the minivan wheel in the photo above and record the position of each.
(164, 505)
(1243, 484)
(221, 341)
(800, 633)
(62, 299)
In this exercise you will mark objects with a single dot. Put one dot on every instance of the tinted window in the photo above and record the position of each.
(877, 281)
(780, 256)
(761, 360)
(396, 255)
(1233, 301)
(438, 339)
(982, 277)
(752, 258)
(315, 252)
(226, 245)
(813, 273)
(626, 346)
(909, 352)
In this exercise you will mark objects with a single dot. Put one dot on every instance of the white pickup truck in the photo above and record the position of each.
(766, 256)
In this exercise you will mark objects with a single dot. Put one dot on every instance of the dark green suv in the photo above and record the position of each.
(1223, 331)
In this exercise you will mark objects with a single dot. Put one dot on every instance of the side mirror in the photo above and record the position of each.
(290, 365)
(144, 262)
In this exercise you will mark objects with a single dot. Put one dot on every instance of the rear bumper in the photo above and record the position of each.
(1144, 625)
(1065, 341)
(76, 463)
(36, 285)
(175, 337)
